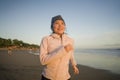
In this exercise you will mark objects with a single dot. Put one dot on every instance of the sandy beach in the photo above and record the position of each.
(24, 66)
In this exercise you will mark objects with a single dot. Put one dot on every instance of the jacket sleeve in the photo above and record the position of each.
(46, 57)
(72, 58)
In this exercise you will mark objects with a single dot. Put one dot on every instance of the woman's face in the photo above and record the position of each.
(59, 27)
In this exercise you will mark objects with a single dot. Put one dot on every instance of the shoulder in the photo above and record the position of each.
(69, 38)
(46, 38)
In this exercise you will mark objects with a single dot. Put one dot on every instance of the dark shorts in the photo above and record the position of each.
(44, 78)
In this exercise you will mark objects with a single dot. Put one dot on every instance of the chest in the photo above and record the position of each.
(55, 43)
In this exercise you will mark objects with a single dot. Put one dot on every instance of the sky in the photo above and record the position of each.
(91, 23)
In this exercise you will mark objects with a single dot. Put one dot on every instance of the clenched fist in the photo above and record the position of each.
(68, 47)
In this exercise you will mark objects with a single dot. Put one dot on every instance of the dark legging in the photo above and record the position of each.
(44, 78)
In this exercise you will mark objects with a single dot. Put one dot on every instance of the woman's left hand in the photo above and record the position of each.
(76, 70)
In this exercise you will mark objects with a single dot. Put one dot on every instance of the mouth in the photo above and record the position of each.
(60, 29)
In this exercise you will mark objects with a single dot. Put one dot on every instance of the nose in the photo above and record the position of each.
(61, 26)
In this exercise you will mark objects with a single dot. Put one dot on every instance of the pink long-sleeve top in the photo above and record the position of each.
(55, 58)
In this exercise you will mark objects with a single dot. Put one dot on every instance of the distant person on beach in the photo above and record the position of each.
(10, 51)
(56, 52)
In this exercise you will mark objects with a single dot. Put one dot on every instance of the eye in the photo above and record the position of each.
(62, 23)
(56, 23)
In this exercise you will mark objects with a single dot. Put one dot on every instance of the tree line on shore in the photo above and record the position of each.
(5, 43)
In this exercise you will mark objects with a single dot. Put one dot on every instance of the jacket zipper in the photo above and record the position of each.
(61, 43)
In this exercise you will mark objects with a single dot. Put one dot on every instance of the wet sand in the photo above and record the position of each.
(24, 66)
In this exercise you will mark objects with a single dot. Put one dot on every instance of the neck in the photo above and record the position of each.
(58, 34)
(61, 36)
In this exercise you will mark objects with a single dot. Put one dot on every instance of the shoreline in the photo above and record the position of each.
(25, 66)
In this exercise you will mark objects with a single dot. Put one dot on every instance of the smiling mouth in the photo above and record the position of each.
(60, 29)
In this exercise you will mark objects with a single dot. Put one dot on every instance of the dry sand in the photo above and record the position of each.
(24, 66)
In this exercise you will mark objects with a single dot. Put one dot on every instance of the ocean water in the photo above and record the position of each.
(108, 59)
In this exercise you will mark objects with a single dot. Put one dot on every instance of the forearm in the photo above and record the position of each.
(52, 56)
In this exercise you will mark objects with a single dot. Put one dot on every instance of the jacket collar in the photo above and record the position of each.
(54, 35)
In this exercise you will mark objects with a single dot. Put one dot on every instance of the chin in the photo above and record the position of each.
(61, 33)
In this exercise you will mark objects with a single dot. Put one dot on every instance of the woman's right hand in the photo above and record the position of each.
(68, 47)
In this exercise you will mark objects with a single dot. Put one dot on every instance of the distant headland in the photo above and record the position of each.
(16, 44)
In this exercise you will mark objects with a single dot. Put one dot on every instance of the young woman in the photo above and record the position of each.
(56, 52)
